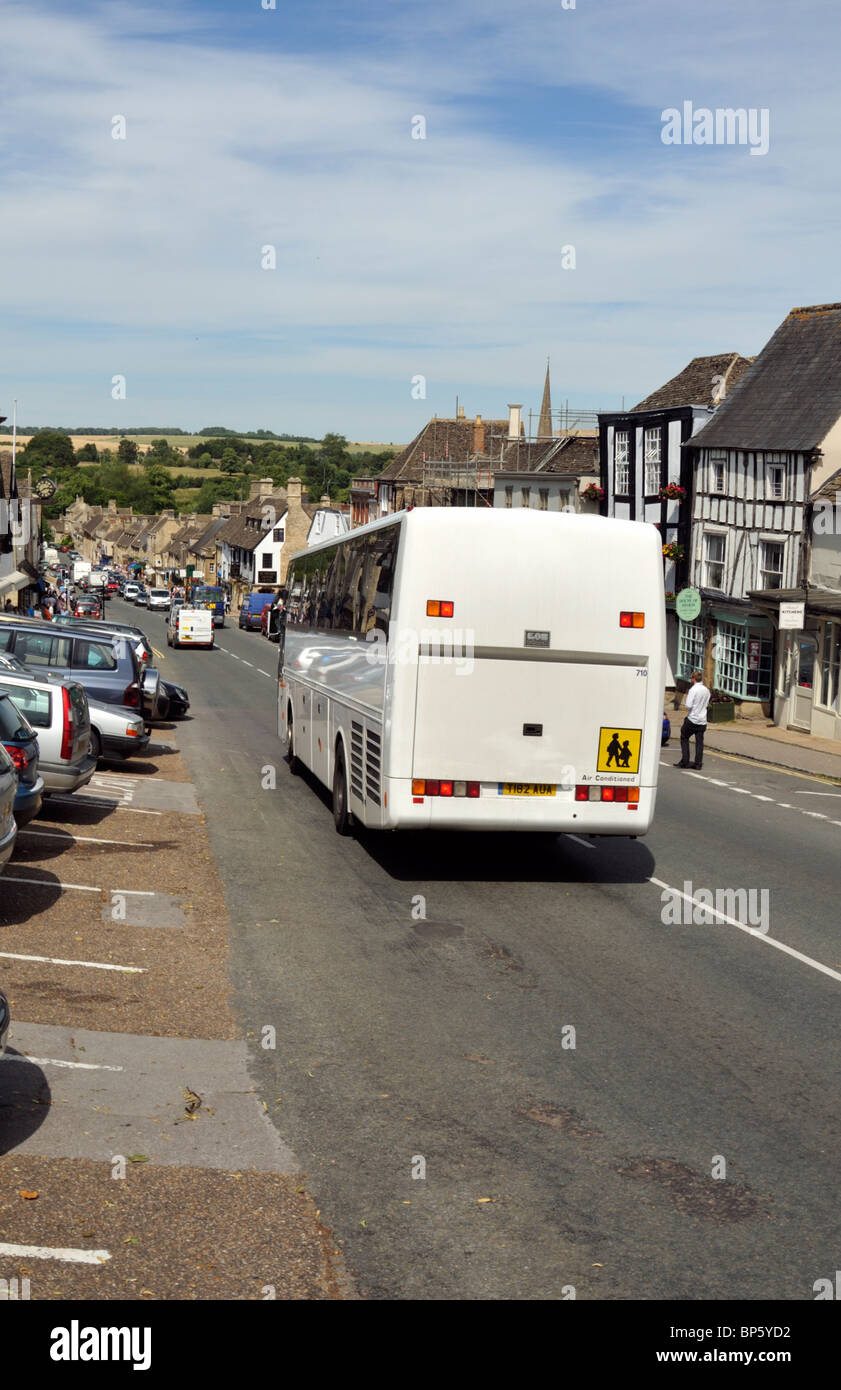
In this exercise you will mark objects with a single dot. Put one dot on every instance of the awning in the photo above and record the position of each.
(10, 583)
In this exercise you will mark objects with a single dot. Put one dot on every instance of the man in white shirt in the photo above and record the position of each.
(696, 701)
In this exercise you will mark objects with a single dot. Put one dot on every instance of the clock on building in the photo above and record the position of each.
(45, 488)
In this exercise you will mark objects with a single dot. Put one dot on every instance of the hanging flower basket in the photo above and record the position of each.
(673, 492)
(593, 492)
(673, 551)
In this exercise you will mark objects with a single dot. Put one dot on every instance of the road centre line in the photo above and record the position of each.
(751, 931)
(84, 839)
(248, 663)
(91, 964)
(261, 672)
(59, 1062)
(743, 791)
(45, 1252)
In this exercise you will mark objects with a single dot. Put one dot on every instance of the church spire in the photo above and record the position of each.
(544, 428)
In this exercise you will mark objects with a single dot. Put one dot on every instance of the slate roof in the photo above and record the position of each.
(241, 531)
(828, 490)
(572, 454)
(791, 397)
(695, 385)
(205, 542)
(445, 440)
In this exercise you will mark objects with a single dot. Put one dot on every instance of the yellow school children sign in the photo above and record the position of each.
(619, 750)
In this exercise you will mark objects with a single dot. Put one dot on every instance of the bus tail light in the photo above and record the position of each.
(439, 608)
(444, 787)
(632, 620)
(631, 795)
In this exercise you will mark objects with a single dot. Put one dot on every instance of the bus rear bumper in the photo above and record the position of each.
(491, 810)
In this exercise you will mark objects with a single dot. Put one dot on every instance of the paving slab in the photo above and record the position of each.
(152, 795)
(94, 1095)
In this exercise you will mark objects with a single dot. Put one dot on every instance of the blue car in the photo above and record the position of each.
(667, 729)
(21, 743)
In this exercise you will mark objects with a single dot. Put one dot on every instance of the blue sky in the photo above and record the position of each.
(396, 257)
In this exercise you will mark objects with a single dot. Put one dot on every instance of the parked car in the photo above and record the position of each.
(58, 712)
(135, 635)
(5, 1018)
(21, 743)
(116, 731)
(159, 598)
(177, 700)
(251, 610)
(104, 663)
(130, 590)
(8, 791)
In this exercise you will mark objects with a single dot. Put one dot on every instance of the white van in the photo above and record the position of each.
(190, 627)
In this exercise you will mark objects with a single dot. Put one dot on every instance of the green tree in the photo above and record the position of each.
(229, 463)
(127, 451)
(50, 449)
(205, 460)
(87, 454)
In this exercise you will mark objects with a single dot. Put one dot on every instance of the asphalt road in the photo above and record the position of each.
(685, 1146)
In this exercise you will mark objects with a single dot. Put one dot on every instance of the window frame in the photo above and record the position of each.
(622, 461)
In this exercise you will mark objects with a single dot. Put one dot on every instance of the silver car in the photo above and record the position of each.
(8, 790)
(57, 709)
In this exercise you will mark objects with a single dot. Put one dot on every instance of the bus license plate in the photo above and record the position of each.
(527, 788)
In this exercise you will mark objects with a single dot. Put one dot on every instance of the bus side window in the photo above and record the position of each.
(385, 562)
(335, 573)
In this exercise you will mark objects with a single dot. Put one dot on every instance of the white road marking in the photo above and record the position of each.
(234, 655)
(579, 840)
(46, 1252)
(84, 839)
(50, 883)
(91, 964)
(783, 805)
(82, 800)
(248, 663)
(261, 672)
(59, 1062)
(751, 931)
(84, 887)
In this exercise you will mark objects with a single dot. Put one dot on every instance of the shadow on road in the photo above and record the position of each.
(25, 1099)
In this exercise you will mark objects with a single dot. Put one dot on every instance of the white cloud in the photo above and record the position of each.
(396, 256)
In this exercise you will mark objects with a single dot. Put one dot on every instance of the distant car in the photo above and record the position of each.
(141, 598)
(87, 608)
(21, 743)
(116, 731)
(159, 598)
(251, 610)
(667, 729)
(130, 591)
(113, 586)
(8, 790)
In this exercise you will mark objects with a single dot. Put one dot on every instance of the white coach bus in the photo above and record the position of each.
(479, 669)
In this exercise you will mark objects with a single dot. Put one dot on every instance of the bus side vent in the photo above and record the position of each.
(356, 760)
(372, 766)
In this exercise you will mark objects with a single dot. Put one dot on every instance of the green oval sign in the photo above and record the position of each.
(688, 605)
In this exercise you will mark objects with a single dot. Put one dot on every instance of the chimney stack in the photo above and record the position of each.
(461, 412)
(478, 435)
(263, 487)
(514, 422)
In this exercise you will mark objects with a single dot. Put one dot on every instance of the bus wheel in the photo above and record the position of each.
(342, 818)
(294, 763)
